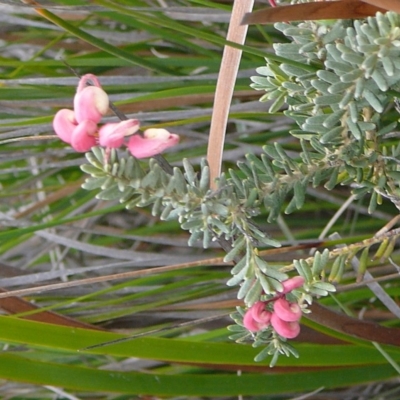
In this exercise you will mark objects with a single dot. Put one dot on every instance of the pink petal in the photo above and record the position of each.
(259, 313)
(64, 124)
(91, 103)
(154, 142)
(286, 329)
(83, 136)
(292, 283)
(113, 134)
(287, 311)
(257, 317)
(249, 323)
(273, 3)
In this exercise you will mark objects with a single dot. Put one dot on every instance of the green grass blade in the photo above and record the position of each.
(17, 368)
(115, 51)
(175, 350)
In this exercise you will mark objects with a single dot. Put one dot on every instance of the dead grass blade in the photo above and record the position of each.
(389, 5)
(15, 305)
(224, 90)
(342, 9)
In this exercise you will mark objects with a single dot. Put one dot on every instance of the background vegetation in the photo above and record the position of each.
(159, 64)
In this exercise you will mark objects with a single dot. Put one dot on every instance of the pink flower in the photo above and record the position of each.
(292, 283)
(84, 136)
(63, 124)
(256, 317)
(286, 311)
(273, 3)
(286, 329)
(154, 141)
(90, 102)
(79, 127)
(113, 134)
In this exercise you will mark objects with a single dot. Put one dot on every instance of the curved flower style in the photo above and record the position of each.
(90, 102)
(288, 330)
(257, 317)
(154, 141)
(286, 311)
(113, 134)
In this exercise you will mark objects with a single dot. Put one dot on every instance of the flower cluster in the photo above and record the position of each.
(79, 127)
(284, 316)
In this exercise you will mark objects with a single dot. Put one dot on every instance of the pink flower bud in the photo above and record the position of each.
(257, 317)
(287, 311)
(154, 141)
(249, 323)
(64, 124)
(113, 134)
(292, 283)
(83, 137)
(286, 329)
(259, 313)
(90, 102)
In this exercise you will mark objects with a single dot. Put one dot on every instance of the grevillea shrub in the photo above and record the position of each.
(336, 83)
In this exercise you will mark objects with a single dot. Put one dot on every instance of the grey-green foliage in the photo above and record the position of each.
(225, 213)
(341, 132)
(339, 107)
(274, 345)
(222, 214)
